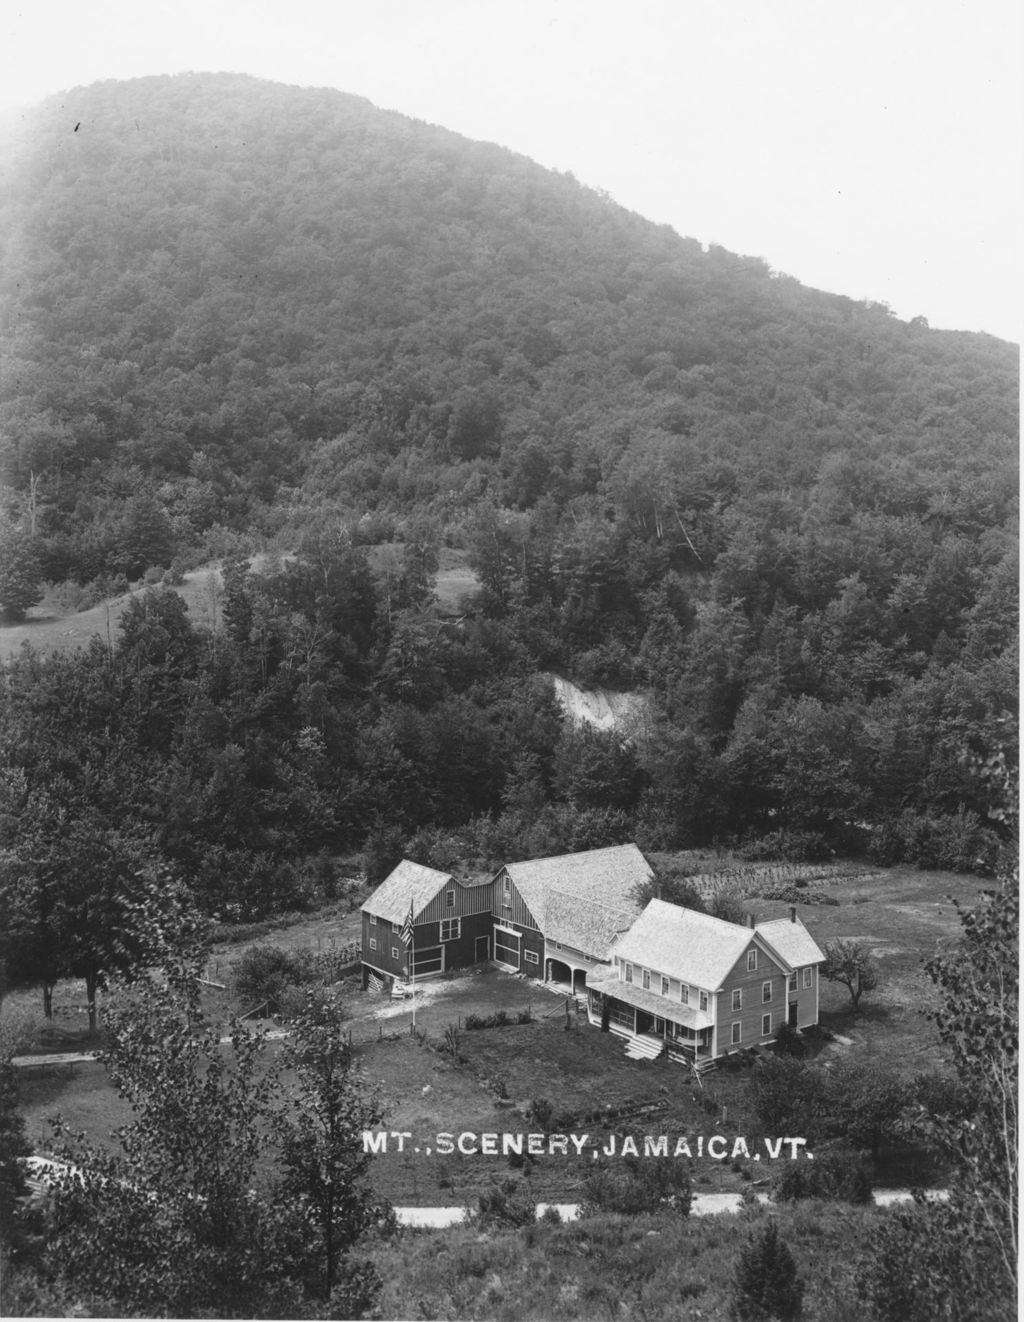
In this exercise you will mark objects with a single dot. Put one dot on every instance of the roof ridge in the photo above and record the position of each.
(585, 899)
(576, 853)
(739, 927)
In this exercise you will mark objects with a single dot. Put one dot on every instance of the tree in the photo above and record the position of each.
(958, 1260)
(81, 898)
(850, 963)
(13, 1147)
(767, 1284)
(178, 1223)
(20, 573)
(320, 1132)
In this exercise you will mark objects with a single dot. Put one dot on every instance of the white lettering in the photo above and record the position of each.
(682, 1148)
(579, 1142)
(740, 1149)
(375, 1142)
(489, 1145)
(535, 1145)
(511, 1143)
(773, 1153)
(445, 1145)
(716, 1147)
(467, 1145)
(795, 1143)
(629, 1146)
(558, 1143)
(609, 1147)
(401, 1138)
(656, 1147)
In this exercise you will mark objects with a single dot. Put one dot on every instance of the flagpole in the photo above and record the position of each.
(412, 965)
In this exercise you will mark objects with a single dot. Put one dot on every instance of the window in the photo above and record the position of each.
(766, 991)
(451, 929)
(766, 1025)
(373, 920)
(396, 927)
(394, 952)
(508, 886)
(531, 957)
(664, 985)
(647, 979)
(751, 961)
(808, 977)
(449, 899)
(737, 1032)
(629, 972)
(684, 993)
(737, 1000)
(373, 943)
(703, 1000)
(792, 982)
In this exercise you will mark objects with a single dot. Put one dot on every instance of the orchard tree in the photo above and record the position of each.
(850, 963)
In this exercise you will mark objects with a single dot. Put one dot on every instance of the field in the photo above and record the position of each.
(903, 915)
(48, 628)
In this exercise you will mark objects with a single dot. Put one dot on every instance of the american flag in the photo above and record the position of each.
(407, 929)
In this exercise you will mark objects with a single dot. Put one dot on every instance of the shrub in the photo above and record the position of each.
(272, 974)
(837, 1175)
(784, 846)
(507, 1204)
(957, 843)
(634, 1185)
(767, 1284)
(788, 1041)
(541, 1112)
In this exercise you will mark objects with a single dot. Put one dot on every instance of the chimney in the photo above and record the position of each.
(792, 913)
(751, 922)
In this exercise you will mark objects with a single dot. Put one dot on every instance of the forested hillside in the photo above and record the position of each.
(237, 313)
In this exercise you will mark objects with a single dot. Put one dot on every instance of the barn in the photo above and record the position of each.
(451, 924)
(555, 918)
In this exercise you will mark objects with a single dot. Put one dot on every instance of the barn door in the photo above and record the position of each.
(506, 947)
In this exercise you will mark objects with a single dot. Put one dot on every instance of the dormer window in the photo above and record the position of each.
(629, 972)
(647, 979)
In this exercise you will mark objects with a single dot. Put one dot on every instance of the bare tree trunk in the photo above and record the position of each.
(90, 996)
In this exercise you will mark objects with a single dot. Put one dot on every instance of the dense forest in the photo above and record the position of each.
(237, 315)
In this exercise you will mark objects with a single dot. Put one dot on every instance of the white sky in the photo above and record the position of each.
(869, 147)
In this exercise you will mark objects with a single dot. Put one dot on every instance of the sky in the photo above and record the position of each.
(868, 147)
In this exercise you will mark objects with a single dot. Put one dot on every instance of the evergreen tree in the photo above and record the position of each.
(767, 1284)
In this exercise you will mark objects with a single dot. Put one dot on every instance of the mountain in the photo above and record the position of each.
(235, 312)
(221, 294)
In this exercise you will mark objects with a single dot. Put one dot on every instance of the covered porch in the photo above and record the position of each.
(651, 1021)
(568, 970)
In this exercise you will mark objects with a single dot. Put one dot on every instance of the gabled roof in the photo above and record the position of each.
(690, 946)
(583, 924)
(583, 900)
(792, 940)
(605, 875)
(409, 884)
